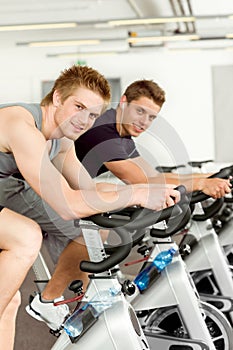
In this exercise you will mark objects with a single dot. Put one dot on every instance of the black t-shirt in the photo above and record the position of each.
(102, 143)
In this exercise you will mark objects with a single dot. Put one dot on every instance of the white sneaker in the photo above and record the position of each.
(53, 316)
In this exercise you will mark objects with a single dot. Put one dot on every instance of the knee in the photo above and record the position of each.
(32, 242)
(15, 301)
(10, 312)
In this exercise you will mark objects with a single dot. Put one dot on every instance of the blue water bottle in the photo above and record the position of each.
(152, 269)
(88, 312)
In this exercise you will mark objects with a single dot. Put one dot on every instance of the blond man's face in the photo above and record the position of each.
(78, 112)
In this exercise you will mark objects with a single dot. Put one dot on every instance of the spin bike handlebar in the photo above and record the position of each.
(198, 196)
(141, 218)
(175, 224)
(113, 259)
(212, 209)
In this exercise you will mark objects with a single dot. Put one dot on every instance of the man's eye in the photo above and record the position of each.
(152, 117)
(79, 107)
(140, 111)
(93, 115)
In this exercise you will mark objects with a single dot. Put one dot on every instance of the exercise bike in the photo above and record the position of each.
(102, 332)
(222, 221)
(191, 334)
(164, 308)
(117, 327)
(210, 270)
(208, 265)
(120, 320)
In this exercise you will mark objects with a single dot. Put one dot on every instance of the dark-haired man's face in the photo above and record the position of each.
(136, 117)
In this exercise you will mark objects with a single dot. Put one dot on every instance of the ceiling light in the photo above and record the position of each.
(158, 20)
(84, 54)
(60, 43)
(37, 26)
(229, 36)
(135, 40)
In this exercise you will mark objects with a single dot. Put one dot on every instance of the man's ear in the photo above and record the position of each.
(56, 98)
(123, 100)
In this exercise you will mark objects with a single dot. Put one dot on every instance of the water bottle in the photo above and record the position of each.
(152, 270)
(103, 300)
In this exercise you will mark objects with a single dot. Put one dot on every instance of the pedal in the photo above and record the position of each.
(56, 333)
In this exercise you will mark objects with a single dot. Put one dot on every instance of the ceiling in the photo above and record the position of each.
(208, 29)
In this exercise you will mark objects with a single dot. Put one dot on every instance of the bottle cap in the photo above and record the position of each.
(173, 250)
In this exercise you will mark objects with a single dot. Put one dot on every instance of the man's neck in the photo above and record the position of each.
(119, 124)
(49, 128)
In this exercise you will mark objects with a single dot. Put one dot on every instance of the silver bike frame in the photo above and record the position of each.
(174, 288)
(117, 328)
(208, 254)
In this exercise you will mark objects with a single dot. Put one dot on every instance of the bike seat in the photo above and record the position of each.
(168, 169)
(198, 164)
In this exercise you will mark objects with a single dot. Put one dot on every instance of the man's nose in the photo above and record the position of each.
(144, 120)
(83, 116)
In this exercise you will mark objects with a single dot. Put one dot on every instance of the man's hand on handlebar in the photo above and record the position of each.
(172, 196)
(215, 187)
(158, 196)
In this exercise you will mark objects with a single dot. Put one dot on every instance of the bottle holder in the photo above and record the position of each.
(88, 320)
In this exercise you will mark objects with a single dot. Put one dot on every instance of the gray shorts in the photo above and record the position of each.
(17, 195)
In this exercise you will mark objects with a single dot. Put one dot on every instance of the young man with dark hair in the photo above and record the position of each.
(108, 145)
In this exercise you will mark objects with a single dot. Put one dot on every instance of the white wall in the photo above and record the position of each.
(185, 76)
(187, 80)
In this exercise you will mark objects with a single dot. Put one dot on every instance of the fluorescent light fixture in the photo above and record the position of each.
(81, 55)
(229, 36)
(158, 20)
(135, 40)
(213, 48)
(37, 26)
(60, 43)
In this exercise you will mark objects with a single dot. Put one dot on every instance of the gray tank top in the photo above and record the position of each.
(7, 162)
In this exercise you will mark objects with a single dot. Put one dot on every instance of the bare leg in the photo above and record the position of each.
(20, 241)
(7, 323)
(67, 270)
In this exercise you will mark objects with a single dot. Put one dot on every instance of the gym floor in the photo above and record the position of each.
(30, 333)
